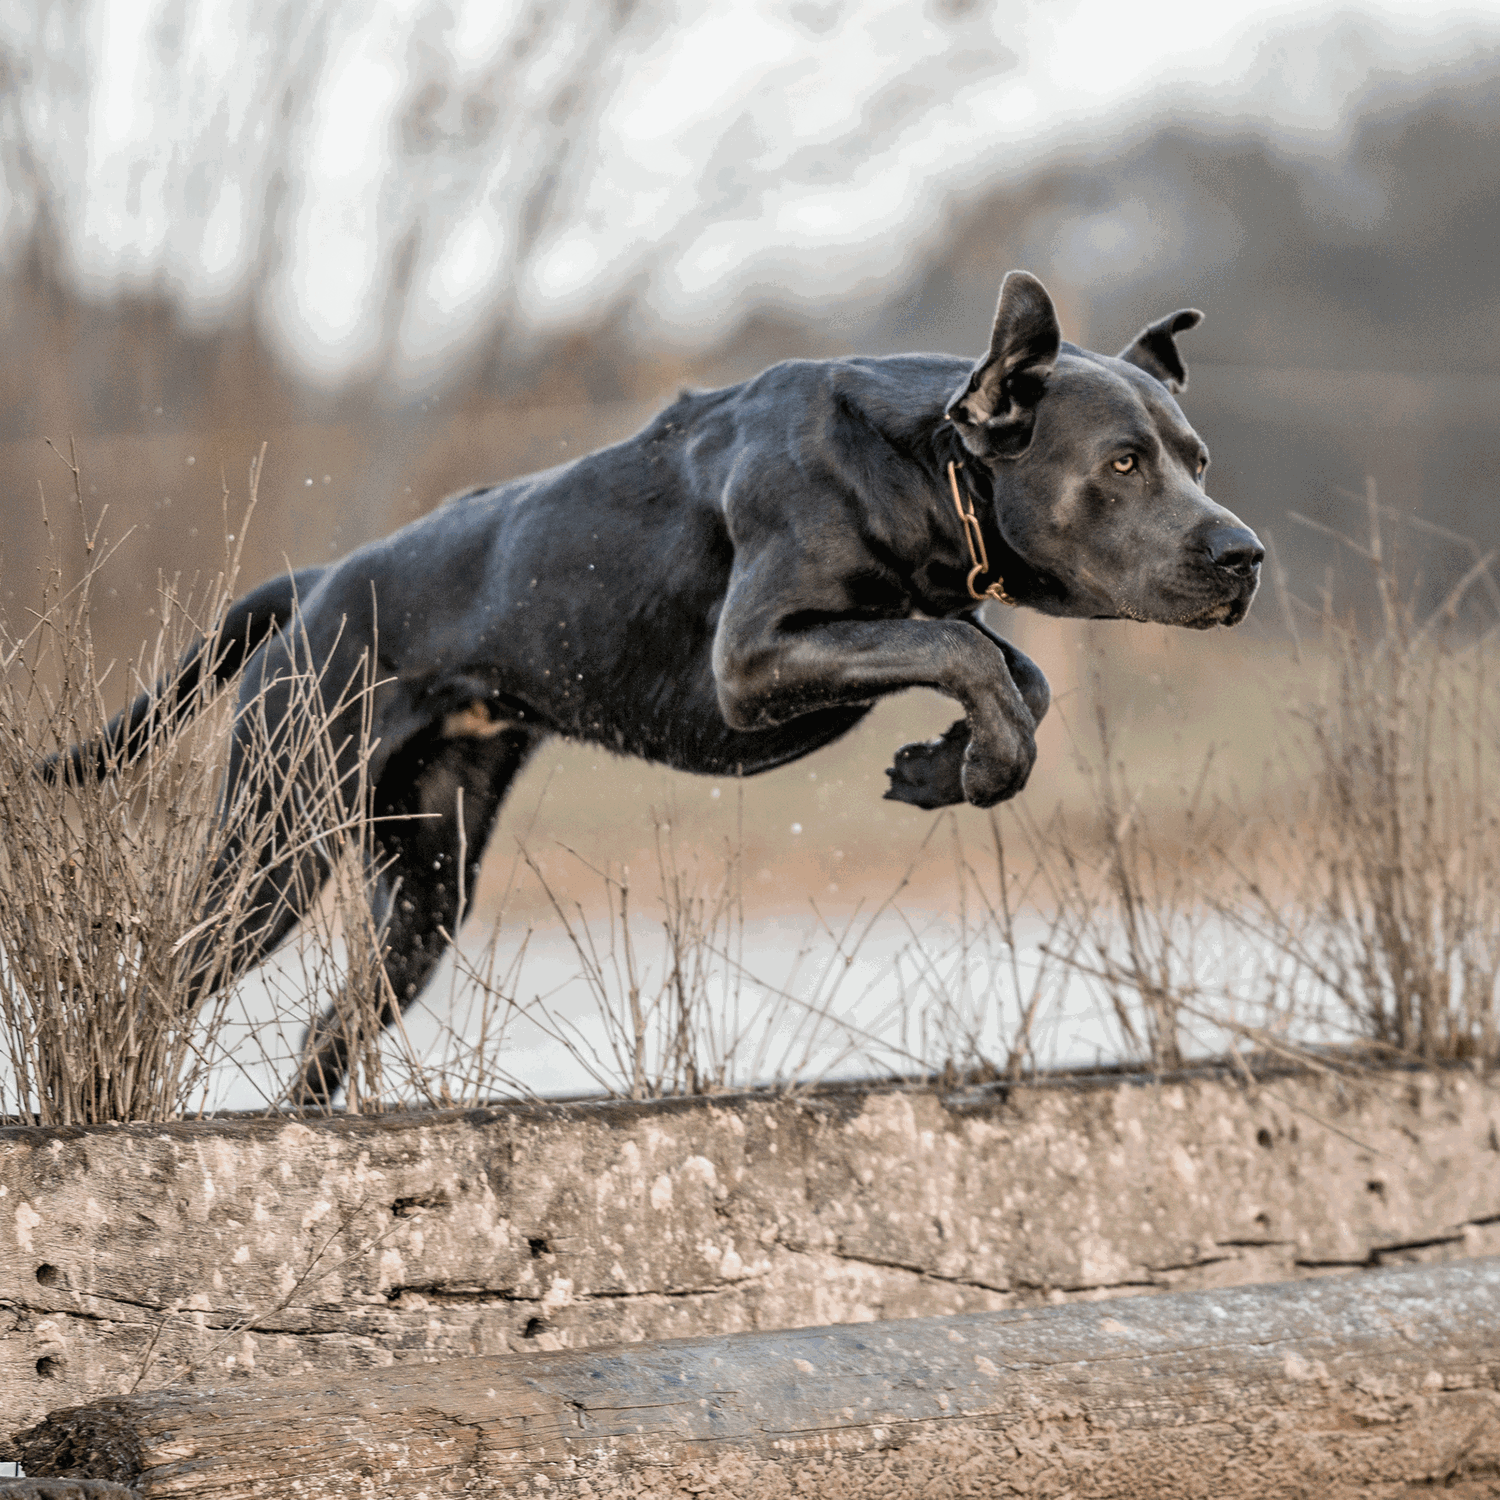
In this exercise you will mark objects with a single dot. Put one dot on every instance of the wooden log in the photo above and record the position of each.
(64, 1489)
(1361, 1386)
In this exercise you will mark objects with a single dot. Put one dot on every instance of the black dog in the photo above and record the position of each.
(734, 587)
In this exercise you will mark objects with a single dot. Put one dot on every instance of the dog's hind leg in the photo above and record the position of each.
(435, 804)
(271, 863)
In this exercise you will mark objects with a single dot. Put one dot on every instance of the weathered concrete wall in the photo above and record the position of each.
(137, 1256)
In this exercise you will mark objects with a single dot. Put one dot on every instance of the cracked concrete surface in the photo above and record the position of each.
(133, 1257)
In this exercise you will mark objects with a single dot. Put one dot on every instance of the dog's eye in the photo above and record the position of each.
(1124, 465)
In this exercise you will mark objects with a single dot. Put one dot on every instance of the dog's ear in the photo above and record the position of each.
(1155, 348)
(995, 408)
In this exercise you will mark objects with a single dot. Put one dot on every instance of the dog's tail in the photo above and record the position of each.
(246, 625)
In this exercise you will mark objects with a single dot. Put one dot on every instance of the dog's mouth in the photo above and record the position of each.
(1184, 605)
(1215, 614)
(1226, 612)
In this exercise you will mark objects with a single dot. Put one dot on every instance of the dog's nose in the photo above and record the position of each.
(1235, 549)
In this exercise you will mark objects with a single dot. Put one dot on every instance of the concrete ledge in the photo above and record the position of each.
(1363, 1386)
(240, 1250)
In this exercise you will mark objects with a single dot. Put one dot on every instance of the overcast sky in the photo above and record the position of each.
(391, 179)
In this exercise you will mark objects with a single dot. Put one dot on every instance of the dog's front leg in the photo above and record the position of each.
(1030, 680)
(768, 671)
(929, 773)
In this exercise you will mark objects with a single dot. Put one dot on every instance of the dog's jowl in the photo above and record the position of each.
(734, 587)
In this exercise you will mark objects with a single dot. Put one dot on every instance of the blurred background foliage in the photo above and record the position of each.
(417, 247)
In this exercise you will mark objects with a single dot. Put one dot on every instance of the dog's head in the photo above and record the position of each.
(1098, 478)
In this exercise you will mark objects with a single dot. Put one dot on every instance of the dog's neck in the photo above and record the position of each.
(1023, 583)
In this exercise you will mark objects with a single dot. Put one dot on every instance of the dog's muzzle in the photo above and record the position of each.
(1234, 555)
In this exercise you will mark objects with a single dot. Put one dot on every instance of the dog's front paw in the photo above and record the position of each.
(929, 773)
(994, 773)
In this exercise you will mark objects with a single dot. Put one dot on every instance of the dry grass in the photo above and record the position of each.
(123, 896)
(683, 1002)
(1381, 888)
